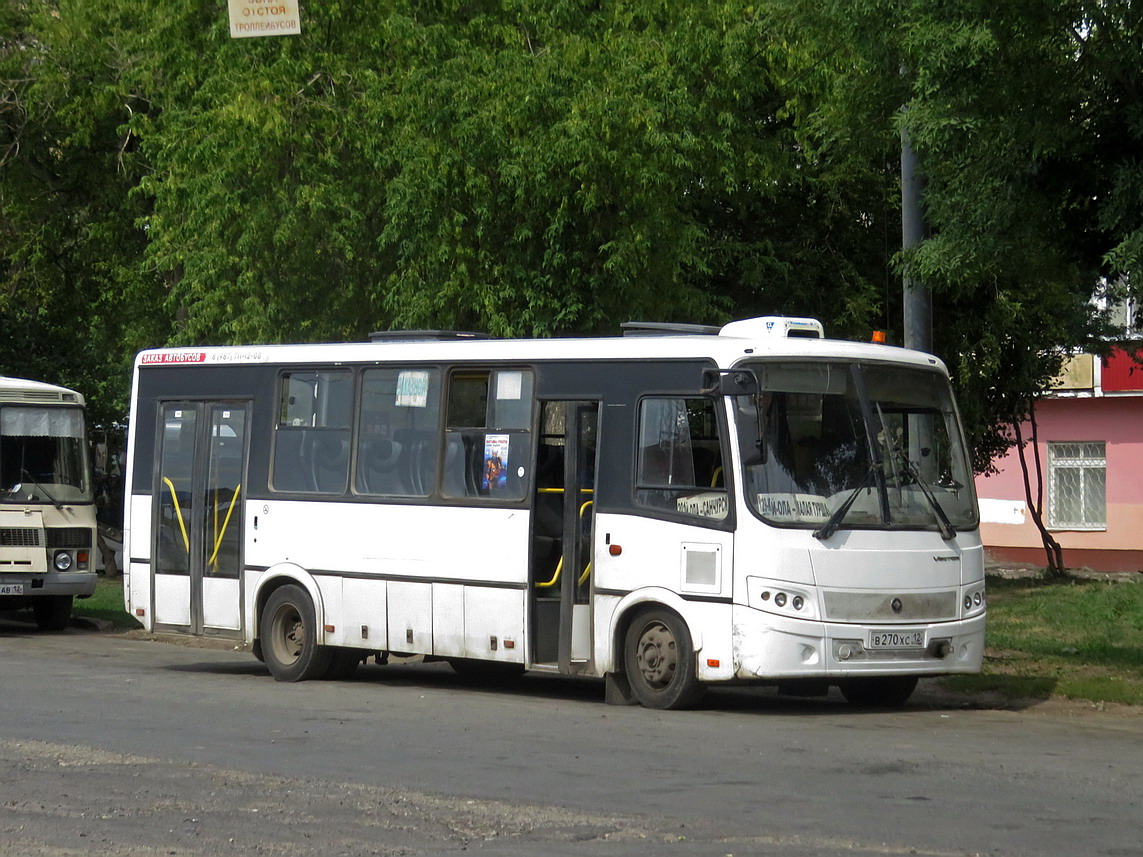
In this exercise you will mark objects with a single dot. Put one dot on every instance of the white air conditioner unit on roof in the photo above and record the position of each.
(774, 325)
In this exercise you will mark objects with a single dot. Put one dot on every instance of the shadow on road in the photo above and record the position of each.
(930, 696)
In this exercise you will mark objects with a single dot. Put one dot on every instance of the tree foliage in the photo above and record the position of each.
(1027, 126)
(545, 168)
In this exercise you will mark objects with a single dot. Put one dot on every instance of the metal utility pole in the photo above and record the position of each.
(918, 300)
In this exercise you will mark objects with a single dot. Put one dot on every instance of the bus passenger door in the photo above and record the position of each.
(197, 556)
(562, 516)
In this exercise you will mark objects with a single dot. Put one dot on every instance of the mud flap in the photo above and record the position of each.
(617, 690)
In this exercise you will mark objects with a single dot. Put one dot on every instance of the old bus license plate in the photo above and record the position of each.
(896, 639)
(11, 589)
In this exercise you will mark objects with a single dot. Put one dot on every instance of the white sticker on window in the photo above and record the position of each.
(509, 385)
(711, 504)
(793, 507)
(413, 388)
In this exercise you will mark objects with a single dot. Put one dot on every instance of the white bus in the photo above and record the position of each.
(47, 509)
(693, 505)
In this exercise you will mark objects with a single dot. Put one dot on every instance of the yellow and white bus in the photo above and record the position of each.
(676, 507)
(47, 508)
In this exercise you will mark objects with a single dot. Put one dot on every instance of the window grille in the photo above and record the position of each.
(1077, 486)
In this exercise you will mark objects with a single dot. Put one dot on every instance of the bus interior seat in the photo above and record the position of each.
(458, 478)
(329, 462)
(380, 468)
(418, 461)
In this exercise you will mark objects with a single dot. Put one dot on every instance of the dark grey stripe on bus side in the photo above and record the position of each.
(709, 599)
(403, 578)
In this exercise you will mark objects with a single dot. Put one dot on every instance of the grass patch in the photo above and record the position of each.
(1079, 639)
(106, 604)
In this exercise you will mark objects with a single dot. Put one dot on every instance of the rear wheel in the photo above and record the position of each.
(659, 661)
(289, 636)
(52, 612)
(878, 691)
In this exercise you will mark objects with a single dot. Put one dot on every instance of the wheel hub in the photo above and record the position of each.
(657, 657)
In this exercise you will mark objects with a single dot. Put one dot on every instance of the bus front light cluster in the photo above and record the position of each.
(974, 600)
(780, 598)
(62, 561)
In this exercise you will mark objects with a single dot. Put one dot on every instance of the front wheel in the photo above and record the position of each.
(289, 636)
(659, 660)
(878, 691)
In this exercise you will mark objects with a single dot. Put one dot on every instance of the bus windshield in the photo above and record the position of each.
(42, 455)
(828, 445)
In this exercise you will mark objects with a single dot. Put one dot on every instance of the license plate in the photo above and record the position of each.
(896, 639)
(11, 589)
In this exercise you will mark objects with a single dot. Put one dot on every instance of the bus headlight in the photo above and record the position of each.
(62, 561)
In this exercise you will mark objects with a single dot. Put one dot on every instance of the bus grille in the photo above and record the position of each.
(843, 606)
(20, 537)
(69, 537)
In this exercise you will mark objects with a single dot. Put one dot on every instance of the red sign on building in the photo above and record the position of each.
(1122, 371)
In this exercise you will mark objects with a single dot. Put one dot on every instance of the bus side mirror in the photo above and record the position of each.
(730, 382)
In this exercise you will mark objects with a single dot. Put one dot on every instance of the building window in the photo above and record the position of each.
(1077, 486)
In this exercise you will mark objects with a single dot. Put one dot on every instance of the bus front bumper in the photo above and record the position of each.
(78, 583)
(772, 647)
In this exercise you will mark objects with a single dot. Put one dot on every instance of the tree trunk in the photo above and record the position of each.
(1052, 548)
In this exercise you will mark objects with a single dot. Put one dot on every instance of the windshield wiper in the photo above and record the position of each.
(28, 477)
(948, 532)
(830, 527)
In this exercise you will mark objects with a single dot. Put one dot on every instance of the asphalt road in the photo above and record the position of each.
(134, 748)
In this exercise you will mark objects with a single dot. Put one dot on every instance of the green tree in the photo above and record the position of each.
(76, 301)
(1025, 119)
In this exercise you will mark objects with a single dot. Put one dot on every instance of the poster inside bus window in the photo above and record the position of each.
(495, 461)
(413, 389)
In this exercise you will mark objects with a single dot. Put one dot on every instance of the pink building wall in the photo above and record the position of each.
(1006, 526)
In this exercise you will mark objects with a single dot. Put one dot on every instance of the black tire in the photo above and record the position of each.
(659, 661)
(52, 612)
(878, 691)
(289, 636)
(487, 671)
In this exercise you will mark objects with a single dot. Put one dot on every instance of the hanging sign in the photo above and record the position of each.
(264, 18)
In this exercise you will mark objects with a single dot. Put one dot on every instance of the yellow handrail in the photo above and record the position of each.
(560, 564)
(179, 512)
(225, 522)
(714, 476)
(555, 577)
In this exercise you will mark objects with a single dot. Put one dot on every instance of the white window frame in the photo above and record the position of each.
(1092, 455)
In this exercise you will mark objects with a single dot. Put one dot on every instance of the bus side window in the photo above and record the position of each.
(488, 434)
(397, 433)
(680, 458)
(311, 439)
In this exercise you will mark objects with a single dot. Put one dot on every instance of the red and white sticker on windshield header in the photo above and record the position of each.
(174, 357)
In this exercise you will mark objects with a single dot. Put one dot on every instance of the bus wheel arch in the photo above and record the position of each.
(658, 656)
(281, 575)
